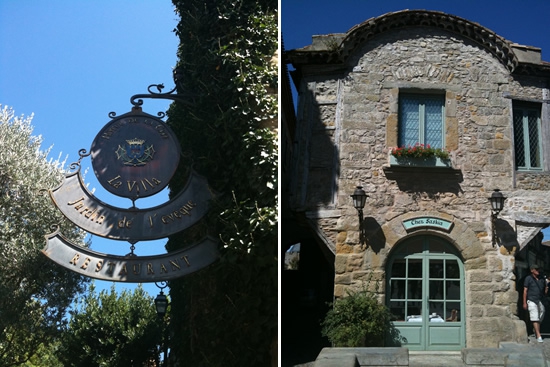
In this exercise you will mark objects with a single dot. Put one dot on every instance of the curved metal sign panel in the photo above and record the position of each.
(427, 222)
(132, 269)
(99, 218)
(135, 155)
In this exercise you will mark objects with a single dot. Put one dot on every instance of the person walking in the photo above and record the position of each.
(534, 289)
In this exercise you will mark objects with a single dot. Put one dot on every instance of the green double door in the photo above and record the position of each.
(425, 293)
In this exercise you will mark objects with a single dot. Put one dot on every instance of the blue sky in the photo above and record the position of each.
(71, 62)
(524, 22)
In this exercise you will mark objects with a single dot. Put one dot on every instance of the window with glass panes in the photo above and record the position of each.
(421, 120)
(527, 137)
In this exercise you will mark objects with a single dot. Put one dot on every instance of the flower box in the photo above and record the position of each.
(419, 155)
(419, 161)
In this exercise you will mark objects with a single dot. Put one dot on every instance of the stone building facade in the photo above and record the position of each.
(450, 274)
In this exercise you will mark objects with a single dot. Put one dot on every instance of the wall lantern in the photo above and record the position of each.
(161, 302)
(497, 204)
(359, 198)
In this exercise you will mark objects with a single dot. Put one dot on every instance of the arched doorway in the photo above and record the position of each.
(425, 292)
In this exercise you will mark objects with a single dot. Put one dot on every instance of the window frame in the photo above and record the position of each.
(421, 97)
(525, 108)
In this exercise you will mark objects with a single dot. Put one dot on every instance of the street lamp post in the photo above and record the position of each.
(161, 305)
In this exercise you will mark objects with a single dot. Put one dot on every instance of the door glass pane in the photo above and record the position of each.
(414, 290)
(436, 290)
(436, 269)
(452, 311)
(397, 289)
(452, 270)
(452, 289)
(436, 311)
(414, 309)
(415, 268)
(397, 308)
(398, 268)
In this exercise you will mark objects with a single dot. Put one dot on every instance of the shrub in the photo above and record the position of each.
(357, 320)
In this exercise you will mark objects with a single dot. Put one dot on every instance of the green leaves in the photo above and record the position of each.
(112, 329)
(35, 292)
(357, 320)
(227, 314)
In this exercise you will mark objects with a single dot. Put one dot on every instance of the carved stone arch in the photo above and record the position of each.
(484, 37)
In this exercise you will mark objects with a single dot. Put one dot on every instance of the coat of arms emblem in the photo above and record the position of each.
(135, 153)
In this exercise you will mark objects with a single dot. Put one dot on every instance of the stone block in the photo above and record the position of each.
(336, 357)
(339, 290)
(382, 356)
(521, 355)
(359, 357)
(493, 311)
(484, 356)
(355, 262)
(340, 263)
(479, 276)
(342, 279)
(475, 311)
(506, 298)
(475, 264)
(482, 298)
(343, 248)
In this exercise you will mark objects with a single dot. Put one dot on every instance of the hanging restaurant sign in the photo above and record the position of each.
(134, 156)
(94, 216)
(135, 269)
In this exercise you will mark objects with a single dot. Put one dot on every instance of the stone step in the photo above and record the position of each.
(435, 359)
(507, 355)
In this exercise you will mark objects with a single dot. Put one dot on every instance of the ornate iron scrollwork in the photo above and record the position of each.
(137, 100)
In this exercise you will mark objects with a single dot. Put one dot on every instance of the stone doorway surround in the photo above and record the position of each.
(490, 290)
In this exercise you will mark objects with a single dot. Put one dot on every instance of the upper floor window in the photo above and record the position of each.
(422, 120)
(527, 137)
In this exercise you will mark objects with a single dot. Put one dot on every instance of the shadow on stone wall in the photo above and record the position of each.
(373, 235)
(432, 181)
(506, 235)
(306, 292)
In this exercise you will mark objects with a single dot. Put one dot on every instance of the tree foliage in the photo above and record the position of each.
(112, 330)
(34, 292)
(226, 315)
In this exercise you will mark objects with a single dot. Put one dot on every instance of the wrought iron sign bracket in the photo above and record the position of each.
(184, 98)
(187, 99)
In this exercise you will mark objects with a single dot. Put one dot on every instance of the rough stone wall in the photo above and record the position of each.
(352, 118)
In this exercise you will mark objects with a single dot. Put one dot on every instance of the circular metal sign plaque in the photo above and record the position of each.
(135, 155)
